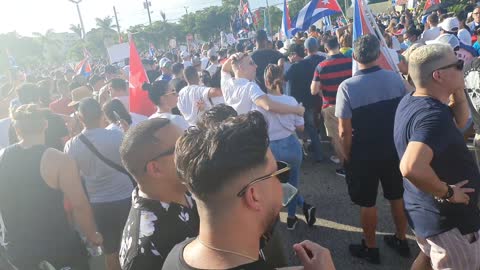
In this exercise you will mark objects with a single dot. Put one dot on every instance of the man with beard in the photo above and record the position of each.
(238, 199)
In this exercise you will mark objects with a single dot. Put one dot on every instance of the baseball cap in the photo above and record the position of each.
(447, 39)
(311, 44)
(400, 32)
(465, 37)
(450, 24)
(164, 62)
(78, 94)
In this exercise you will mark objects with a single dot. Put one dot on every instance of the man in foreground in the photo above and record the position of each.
(238, 199)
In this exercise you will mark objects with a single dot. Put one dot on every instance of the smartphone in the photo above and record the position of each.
(117, 117)
(289, 192)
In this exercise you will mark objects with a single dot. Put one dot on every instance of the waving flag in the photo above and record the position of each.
(431, 3)
(363, 24)
(139, 101)
(286, 32)
(314, 11)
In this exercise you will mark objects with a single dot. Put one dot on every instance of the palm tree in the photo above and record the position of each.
(106, 24)
(164, 17)
(77, 30)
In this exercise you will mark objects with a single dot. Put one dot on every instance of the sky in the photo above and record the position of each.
(28, 16)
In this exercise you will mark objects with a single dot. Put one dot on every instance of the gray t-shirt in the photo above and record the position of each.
(103, 183)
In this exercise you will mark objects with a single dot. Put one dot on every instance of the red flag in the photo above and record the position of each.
(139, 101)
(430, 3)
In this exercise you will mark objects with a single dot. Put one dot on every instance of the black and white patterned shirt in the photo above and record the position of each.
(153, 228)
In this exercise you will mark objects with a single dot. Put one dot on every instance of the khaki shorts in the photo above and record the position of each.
(330, 121)
(451, 250)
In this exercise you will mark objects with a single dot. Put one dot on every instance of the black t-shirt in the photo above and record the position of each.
(152, 229)
(300, 76)
(427, 120)
(175, 260)
(262, 58)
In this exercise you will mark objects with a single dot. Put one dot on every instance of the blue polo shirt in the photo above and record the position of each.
(427, 120)
(370, 99)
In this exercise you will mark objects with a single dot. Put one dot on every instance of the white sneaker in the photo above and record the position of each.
(335, 159)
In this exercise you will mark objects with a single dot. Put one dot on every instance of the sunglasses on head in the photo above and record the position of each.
(458, 65)
(282, 173)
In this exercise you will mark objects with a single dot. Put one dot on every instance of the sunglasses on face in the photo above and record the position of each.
(169, 152)
(458, 65)
(172, 92)
(282, 173)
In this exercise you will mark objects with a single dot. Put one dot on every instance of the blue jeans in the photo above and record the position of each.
(312, 131)
(290, 151)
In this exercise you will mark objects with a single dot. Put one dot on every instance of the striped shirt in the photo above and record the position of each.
(331, 73)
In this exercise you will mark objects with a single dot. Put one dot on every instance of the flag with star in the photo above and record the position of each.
(313, 12)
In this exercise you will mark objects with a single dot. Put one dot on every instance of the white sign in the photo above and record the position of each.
(118, 52)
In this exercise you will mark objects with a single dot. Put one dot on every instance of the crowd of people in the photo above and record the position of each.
(200, 183)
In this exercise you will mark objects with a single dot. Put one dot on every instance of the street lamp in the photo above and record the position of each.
(77, 2)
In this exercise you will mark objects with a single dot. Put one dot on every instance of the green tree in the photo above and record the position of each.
(76, 29)
(50, 46)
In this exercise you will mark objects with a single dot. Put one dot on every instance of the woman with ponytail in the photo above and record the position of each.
(283, 142)
(164, 96)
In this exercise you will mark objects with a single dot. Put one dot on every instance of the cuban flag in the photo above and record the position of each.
(83, 68)
(363, 24)
(313, 12)
(431, 3)
(286, 30)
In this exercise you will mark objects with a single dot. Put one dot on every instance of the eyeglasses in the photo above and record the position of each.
(282, 173)
(163, 154)
(458, 65)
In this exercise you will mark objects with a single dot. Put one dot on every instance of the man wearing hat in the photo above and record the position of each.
(213, 61)
(166, 67)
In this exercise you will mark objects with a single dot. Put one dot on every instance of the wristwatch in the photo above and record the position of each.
(449, 193)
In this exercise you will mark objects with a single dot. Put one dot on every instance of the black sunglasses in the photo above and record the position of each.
(163, 154)
(282, 173)
(458, 65)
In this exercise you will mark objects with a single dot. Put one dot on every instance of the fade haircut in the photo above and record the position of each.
(208, 159)
(331, 43)
(191, 75)
(424, 60)
(366, 49)
(137, 146)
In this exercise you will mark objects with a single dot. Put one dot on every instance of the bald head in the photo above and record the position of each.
(426, 59)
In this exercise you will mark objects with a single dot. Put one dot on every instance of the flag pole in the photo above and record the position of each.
(379, 34)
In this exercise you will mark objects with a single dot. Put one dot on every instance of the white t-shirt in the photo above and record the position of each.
(187, 102)
(431, 34)
(136, 118)
(280, 126)
(240, 93)
(177, 120)
(4, 128)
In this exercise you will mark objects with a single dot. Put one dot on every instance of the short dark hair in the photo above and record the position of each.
(94, 79)
(136, 148)
(177, 68)
(261, 36)
(433, 18)
(366, 49)
(118, 84)
(216, 115)
(90, 110)
(204, 156)
(331, 43)
(178, 84)
(190, 73)
(116, 106)
(28, 93)
(298, 49)
(156, 90)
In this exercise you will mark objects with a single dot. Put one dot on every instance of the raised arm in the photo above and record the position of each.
(269, 105)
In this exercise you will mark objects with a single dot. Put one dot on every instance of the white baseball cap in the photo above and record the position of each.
(447, 39)
(450, 24)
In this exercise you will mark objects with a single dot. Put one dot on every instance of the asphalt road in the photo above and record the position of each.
(338, 222)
